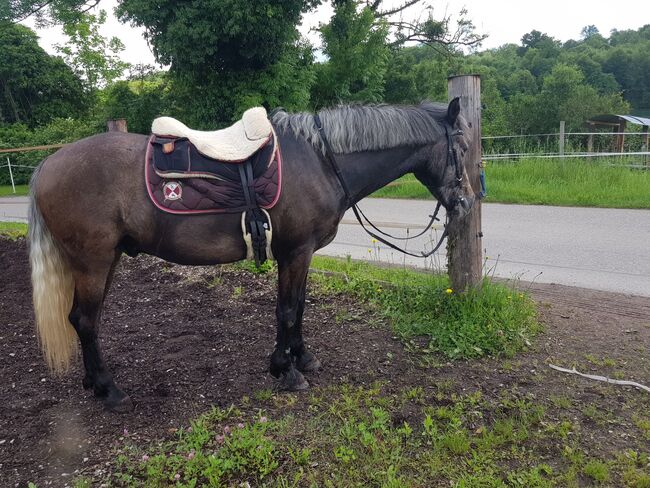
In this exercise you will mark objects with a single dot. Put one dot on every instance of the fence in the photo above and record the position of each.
(561, 145)
(20, 171)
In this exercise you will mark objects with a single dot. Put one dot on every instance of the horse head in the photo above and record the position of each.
(444, 173)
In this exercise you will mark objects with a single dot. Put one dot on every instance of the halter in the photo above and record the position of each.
(358, 213)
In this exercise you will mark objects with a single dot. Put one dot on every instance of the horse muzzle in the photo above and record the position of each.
(463, 206)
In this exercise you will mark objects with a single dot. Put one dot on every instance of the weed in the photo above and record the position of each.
(596, 470)
(560, 401)
(237, 291)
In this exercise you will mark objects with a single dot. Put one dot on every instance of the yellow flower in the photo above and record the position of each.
(449, 290)
(374, 241)
(370, 250)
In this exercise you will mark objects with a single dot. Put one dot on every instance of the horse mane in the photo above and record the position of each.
(357, 128)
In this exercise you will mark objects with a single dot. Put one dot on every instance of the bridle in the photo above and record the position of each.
(452, 159)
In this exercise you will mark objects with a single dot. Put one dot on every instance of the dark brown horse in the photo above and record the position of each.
(89, 205)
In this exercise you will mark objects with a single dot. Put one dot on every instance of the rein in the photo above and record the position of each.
(451, 156)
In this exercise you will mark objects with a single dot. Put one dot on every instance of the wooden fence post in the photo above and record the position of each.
(116, 125)
(464, 245)
(561, 145)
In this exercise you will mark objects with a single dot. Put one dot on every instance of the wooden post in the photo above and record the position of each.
(464, 244)
(116, 125)
(561, 148)
(645, 144)
(590, 139)
(621, 137)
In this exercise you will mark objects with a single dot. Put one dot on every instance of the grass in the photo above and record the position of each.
(13, 230)
(548, 182)
(492, 320)
(7, 191)
(359, 437)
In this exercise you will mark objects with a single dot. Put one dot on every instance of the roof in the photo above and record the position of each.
(615, 119)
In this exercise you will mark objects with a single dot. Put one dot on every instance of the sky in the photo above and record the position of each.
(504, 21)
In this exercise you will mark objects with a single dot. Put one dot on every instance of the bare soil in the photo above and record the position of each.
(181, 339)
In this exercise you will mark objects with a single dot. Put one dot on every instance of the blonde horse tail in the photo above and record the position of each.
(53, 290)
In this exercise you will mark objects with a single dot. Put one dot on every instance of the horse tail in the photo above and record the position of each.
(53, 290)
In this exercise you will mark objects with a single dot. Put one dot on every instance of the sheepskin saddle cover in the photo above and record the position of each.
(232, 144)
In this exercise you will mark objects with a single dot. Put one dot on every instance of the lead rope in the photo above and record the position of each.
(329, 155)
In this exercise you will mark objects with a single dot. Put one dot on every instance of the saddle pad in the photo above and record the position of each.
(181, 180)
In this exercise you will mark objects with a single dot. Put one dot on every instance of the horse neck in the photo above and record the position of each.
(367, 172)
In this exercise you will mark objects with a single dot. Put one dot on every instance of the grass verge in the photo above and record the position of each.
(7, 190)
(13, 230)
(549, 182)
(492, 320)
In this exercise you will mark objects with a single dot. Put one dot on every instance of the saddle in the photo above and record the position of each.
(233, 170)
(232, 144)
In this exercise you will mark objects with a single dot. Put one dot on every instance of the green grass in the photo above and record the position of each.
(359, 437)
(7, 191)
(13, 230)
(548, 182)
(491, 320)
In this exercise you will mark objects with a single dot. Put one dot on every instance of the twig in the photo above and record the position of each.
(600, 378)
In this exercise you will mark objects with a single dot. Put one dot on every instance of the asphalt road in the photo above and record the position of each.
(603, 249)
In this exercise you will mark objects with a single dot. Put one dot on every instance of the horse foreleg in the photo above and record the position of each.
(90, 290)
(290, 355)
(305, 360)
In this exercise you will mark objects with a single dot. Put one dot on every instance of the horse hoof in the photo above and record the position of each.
(120, 405)
(293, 380)
(308, 363)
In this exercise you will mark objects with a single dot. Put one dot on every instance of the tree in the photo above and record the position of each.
(356, 46)
(34, 86)
(217, 35)
(589, 31)
(251, 56)
(94, 58)
(365, 42)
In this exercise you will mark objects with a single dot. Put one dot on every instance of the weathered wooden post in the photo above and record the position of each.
(464, 245)
(561, 144)
(116, 125)
(645, 146)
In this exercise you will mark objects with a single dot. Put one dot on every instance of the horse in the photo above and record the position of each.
(89, 205)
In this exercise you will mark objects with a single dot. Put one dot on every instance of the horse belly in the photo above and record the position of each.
(196, 240)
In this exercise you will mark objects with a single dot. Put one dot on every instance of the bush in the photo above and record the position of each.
(58, 131)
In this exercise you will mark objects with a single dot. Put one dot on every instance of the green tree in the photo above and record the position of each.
(226, 55)
(217, 35)
(34, 86)
(358, 53)
(94, 58)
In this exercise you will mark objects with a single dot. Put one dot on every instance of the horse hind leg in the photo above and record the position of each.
(91, 288)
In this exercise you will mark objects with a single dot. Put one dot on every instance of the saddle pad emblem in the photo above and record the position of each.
(173, 190)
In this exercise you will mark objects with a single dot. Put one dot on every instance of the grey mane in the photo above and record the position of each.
(357, 128)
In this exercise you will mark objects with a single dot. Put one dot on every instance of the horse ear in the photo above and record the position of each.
(453, 110)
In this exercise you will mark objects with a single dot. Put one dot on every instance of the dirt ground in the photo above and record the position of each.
(180, 339)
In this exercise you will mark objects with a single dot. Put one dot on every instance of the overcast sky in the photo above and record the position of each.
(504, 21)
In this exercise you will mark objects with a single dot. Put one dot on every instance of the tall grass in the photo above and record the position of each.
(540, 181)
(491, 320)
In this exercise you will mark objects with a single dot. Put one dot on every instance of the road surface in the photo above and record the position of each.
(602, 249)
